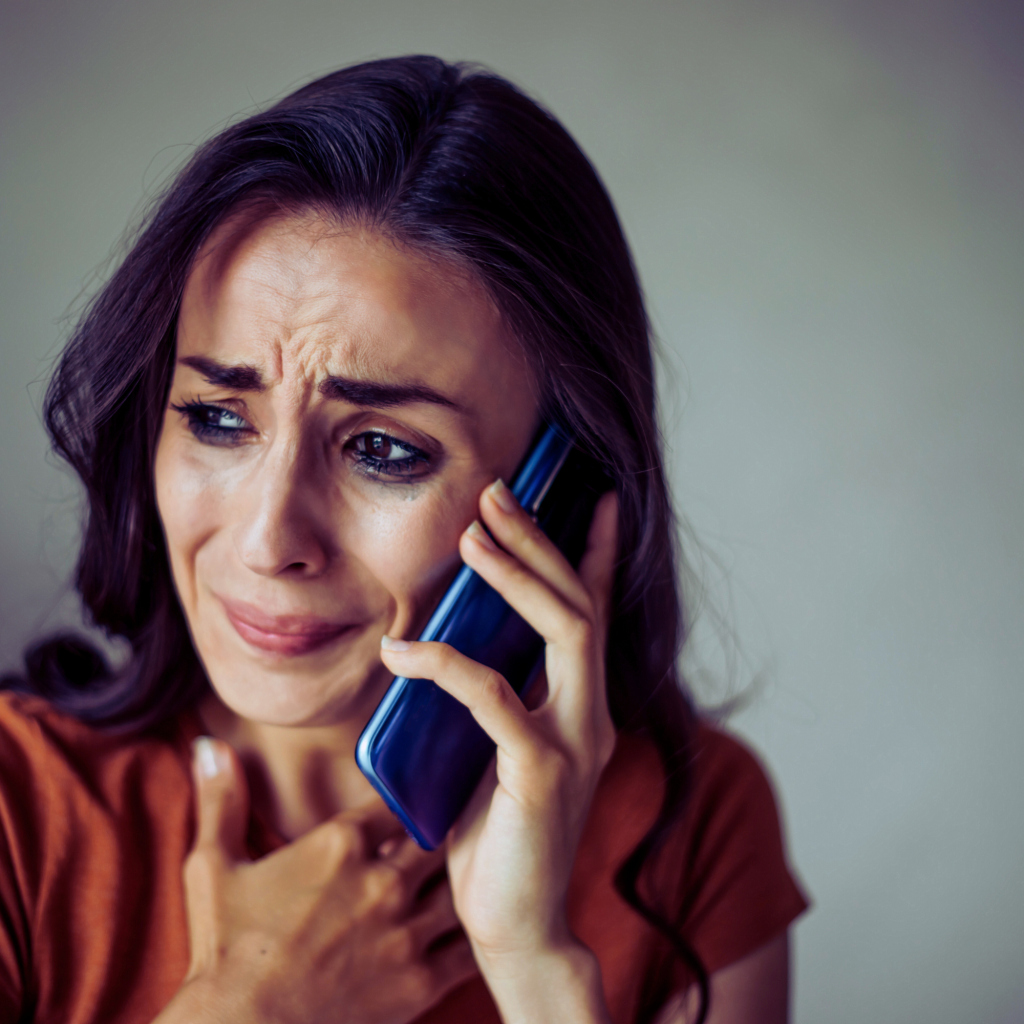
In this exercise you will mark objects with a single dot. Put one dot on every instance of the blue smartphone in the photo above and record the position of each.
(422, 750)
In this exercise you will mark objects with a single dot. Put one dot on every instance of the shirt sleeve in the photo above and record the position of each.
(737, 890)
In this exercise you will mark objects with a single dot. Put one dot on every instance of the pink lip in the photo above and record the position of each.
(281, 634)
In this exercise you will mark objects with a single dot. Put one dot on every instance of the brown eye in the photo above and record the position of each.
(379, 445)
(383, 455)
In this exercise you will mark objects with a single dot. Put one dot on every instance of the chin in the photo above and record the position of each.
(297, 699)
(339, 682)
(275, 701)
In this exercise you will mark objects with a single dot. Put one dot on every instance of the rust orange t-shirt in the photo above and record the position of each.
(94, 830)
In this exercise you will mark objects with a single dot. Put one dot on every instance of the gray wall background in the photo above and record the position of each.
(825, 205)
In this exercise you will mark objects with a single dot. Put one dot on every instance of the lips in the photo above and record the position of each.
(282, 634)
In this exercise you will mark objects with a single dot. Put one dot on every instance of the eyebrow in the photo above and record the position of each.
(234, 378)
(374, 393)
(340, 389)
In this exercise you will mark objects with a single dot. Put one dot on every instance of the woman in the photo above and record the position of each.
(293, 407)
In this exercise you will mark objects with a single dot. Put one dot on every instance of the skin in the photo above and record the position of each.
(341, 415)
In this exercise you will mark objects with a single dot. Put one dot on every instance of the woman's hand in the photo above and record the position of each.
(511, 853)
(352, 922)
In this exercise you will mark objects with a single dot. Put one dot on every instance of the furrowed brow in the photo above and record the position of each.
(380, 395)
(234, 378)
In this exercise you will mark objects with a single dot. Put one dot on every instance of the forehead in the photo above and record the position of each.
(296, 296)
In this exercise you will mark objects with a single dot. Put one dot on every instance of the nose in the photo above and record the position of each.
(283, 529)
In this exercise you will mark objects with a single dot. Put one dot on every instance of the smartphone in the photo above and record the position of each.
(422, 750)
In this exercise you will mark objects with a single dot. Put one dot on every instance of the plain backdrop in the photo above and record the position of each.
(824, 201)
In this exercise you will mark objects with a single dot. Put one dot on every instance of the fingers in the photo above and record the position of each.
(416, 864)
(570, 611)
(533, 575)
(355, 839)
(222, 799)
(366, 839)
(547, 610)
(376, 826)
(488, 696)
(518, 534)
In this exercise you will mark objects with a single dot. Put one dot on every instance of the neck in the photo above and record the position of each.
(298, 776)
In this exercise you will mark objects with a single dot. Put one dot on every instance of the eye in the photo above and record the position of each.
(381, 454)
(213, 424)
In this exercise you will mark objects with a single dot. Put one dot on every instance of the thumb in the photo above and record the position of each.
(222, 798)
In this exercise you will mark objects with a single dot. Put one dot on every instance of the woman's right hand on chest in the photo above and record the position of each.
(351, 922)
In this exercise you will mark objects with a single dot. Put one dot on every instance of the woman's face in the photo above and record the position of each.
(337, 406)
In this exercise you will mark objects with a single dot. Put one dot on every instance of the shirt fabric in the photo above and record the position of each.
(94, 830)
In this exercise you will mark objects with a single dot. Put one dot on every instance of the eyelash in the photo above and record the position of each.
(199, 415)
(388, 467)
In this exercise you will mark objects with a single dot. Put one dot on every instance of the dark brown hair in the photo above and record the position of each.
(453, 161)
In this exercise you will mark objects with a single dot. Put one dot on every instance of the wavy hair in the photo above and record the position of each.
(455, 162)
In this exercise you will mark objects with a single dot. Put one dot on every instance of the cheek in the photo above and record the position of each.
(187, 501)
(410, 545)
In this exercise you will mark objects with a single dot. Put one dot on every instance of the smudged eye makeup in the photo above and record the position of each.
(375, 452)
(382, 454)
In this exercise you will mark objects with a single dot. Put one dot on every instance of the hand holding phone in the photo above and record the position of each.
(422, 749)
(511, 852)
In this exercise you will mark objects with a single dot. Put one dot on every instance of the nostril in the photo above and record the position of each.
(279, 532)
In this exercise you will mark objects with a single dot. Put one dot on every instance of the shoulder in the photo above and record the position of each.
(730, 790)
(719, 876)
(63, 783)
(728, 786)
(94, 828)
(39, 744)
(724, 866)
(40, 749)
(721, 872)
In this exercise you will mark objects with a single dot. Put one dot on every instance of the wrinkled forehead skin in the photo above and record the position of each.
(277, 287)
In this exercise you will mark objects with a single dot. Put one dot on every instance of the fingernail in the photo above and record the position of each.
(481, 536)
(207, 761)
(391, 644)
(505, 499)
